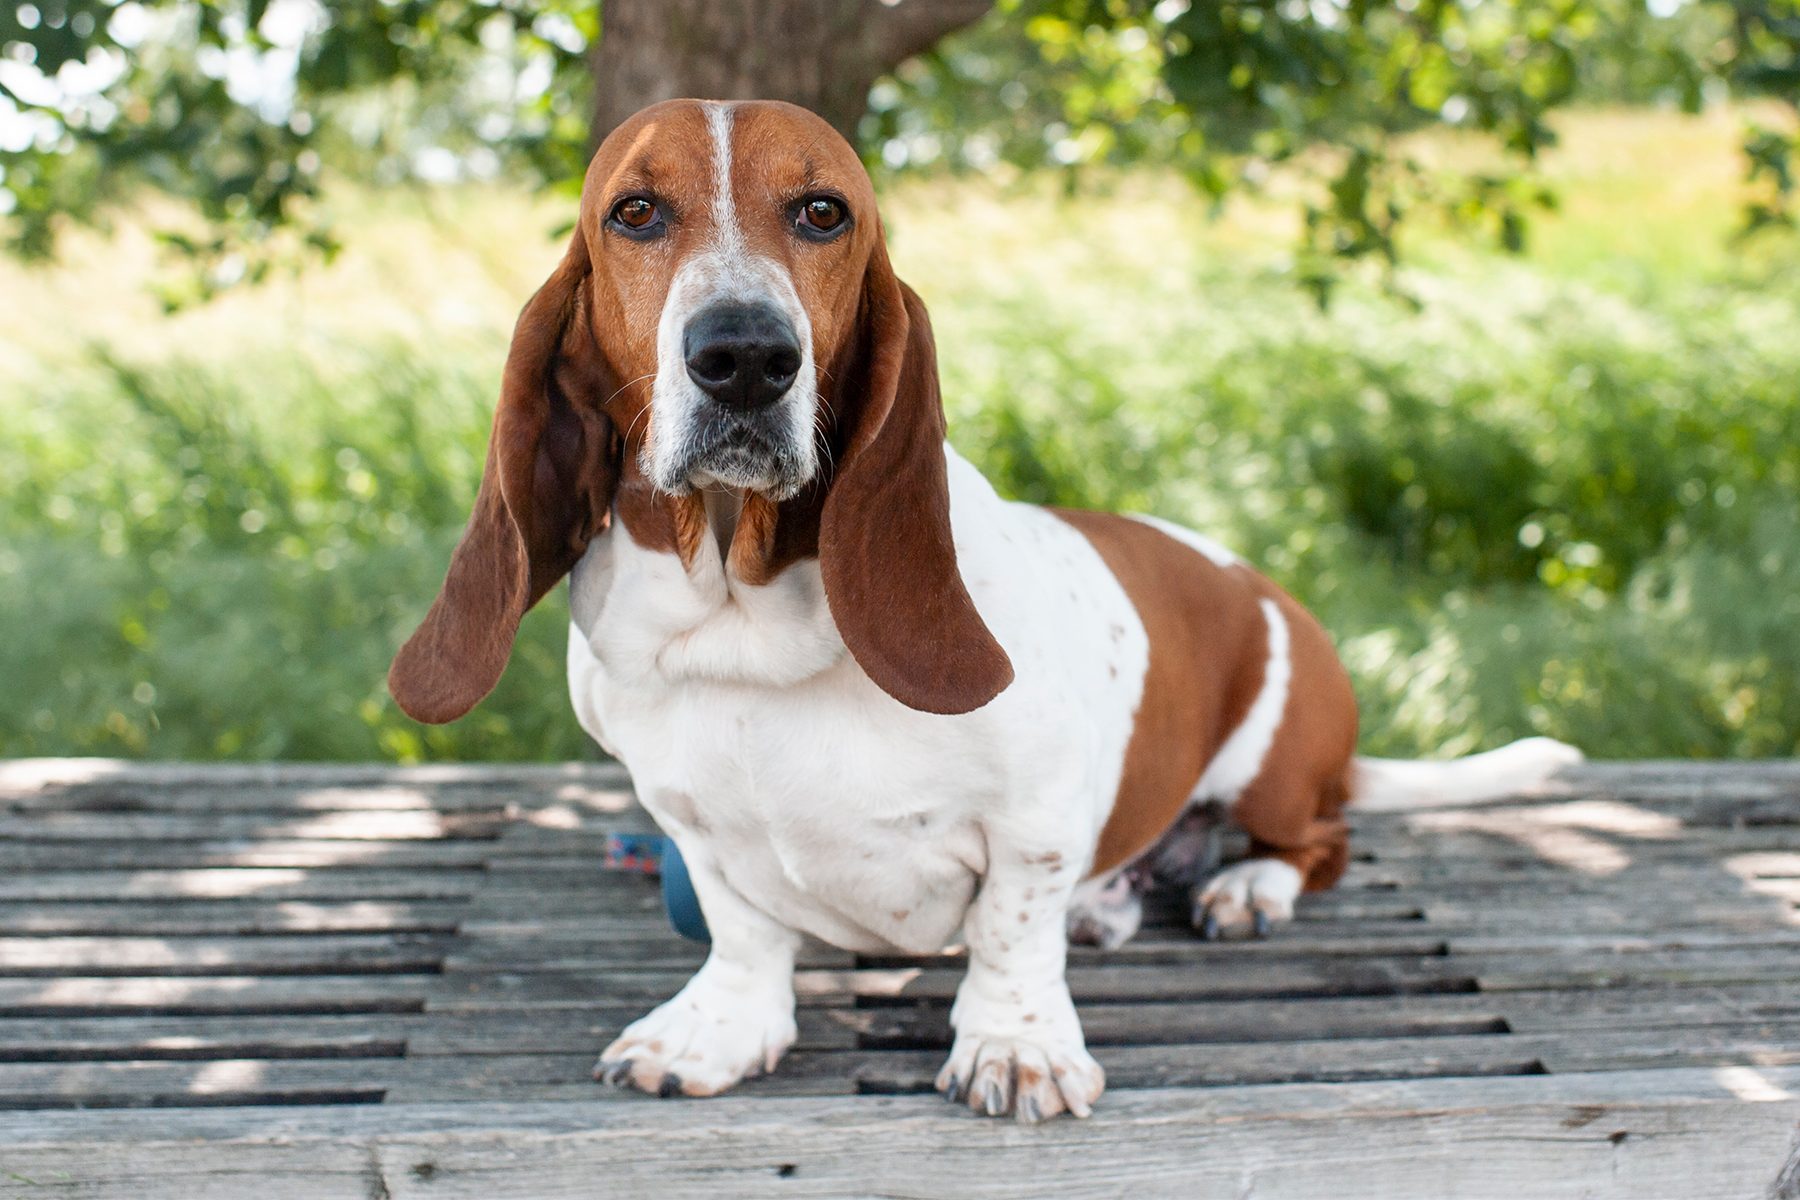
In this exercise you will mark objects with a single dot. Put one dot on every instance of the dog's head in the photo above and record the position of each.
(724, 317)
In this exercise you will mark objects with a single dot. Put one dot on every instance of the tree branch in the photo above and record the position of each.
(903, 28)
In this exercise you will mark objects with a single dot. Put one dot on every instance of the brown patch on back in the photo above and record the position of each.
(1208, 645)
(1293, 809)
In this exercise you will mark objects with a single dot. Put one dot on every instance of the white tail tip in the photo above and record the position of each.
(1385, 784)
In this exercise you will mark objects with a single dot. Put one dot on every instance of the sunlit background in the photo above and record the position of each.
(1487, 346)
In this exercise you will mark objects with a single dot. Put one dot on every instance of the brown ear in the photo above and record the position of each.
(885, 548)
(545, 491)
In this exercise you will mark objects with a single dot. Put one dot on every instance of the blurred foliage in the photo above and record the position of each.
(239, 107)
(231, 560)
(1563, 499)
(1227, 92)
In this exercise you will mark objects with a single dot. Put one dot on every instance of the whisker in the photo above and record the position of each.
(641, 414)
(822, 433)
(626, 384)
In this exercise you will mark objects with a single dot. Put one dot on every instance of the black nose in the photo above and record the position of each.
(743, 356)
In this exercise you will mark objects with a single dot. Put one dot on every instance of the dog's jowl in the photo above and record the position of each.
(871, 700)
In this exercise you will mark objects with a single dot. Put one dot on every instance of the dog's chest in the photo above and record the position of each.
(754, 738)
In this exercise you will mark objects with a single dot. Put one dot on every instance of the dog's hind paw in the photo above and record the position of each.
(1252, 897)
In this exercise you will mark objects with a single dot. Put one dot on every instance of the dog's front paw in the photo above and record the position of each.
(1033, 1078)
(699, 1046)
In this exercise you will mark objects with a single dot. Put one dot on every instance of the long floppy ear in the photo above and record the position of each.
(885, 548)
(545, 491)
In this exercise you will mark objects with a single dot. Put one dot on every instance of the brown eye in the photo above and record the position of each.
(636, 213)
(821, 214)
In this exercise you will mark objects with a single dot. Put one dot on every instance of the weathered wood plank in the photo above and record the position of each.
(1182, 949)
(1386, 1016)
(582, 1031)
(1537, 881)
(278, 799)
(227, 917)
(365, 1079)
(568, 1075)
(379, 826)
(140, 996)
(1600, 915)
(416, 1034)
(542, 984)
(103, 1039)
(250, 883)
(1500, 974)
(1622, 1135)
(472, 1030)
(174, 1084)
(30, 775)
(1388, 976)
(1229, 1064)
(1407, 841)
(548, 976)
(325, 954)
(310, 854)
(1773, 943)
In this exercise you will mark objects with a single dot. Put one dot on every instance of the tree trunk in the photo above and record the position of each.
(823, 54)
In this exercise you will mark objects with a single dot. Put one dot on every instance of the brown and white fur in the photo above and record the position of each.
(871, 700)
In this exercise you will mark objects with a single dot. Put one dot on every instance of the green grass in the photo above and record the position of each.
(1561, 497)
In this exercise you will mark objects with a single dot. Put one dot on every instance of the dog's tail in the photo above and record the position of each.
(1394, 785)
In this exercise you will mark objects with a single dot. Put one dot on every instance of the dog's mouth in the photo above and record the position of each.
(742, 452)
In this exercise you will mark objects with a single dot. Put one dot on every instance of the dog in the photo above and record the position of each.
(869, 699)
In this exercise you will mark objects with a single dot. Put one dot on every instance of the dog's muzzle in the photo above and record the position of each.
(743, 359)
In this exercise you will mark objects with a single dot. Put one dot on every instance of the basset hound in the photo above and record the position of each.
(871, 700)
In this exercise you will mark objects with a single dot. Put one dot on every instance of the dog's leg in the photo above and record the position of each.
(1298, 842)
(735, 1017)
(1018, 1044)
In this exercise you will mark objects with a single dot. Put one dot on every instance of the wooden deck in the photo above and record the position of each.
(348, 981)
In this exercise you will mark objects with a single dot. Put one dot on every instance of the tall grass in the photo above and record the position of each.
(1558, 494)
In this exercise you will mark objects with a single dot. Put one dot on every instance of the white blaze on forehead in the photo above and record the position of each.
(724, 271)
(728, 235)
